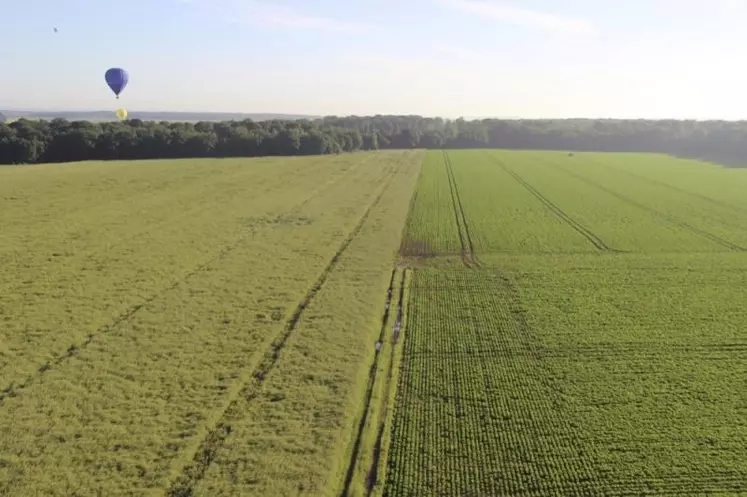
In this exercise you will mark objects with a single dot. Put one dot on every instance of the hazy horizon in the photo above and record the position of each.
(45, 113)
(648, 59)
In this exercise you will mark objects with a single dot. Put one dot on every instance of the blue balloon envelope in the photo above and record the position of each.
(117, 79)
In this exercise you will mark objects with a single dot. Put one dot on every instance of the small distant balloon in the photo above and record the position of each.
(121, 114)
(117, 79)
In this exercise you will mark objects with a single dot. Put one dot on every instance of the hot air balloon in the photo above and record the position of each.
(117, 79)
(121, 114)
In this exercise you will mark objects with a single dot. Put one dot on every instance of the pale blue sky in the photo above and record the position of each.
(530, 58)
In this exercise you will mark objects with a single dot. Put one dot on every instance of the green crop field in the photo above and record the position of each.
(400, 323)
(591, 341)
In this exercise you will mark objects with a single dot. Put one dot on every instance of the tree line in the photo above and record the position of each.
(30, 141)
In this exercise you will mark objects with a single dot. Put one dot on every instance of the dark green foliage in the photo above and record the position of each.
(26, 141)
(59, 140)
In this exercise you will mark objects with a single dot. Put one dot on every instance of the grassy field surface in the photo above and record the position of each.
(286, 441)
(551, 325)
(142, 302)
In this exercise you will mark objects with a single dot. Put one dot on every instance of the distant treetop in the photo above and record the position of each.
(60, 140)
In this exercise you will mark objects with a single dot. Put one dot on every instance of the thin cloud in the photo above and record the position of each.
(273, 15)
(718, 7)
(459, 53)
(503, 12)
(708, 4)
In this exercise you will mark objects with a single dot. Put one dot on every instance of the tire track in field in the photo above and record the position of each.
(463, 246)
(666, 217)
(369, 390)
(575, 225)
(13, 389)
(373, 473)
(208, 448)
(465, 224)
(462, 242)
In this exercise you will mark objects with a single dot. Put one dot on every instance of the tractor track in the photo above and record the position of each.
(14, 389)
(465, 239)
(373, 472)
(208, 448)
(575, 225)
(670, 219)
(369, 390)
(652, 181)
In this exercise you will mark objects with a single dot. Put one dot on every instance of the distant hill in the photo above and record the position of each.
(2, 118)
(149, 116)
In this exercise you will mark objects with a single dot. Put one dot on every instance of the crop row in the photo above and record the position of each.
(610, 367)
(697, 180)
(509, 202)
(475, 413)
(650, 353)
(562, 382)
(432, 223)
(629, 214)
(707, 217)
(506, 217)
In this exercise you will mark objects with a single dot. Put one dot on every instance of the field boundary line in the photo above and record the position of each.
(404, 246)
(465, 224)
(194, 471)
(666, 217)
(575, 225)
(369, 389)
(13, 389)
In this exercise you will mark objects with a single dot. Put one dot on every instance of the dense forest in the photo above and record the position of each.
(30, 141)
